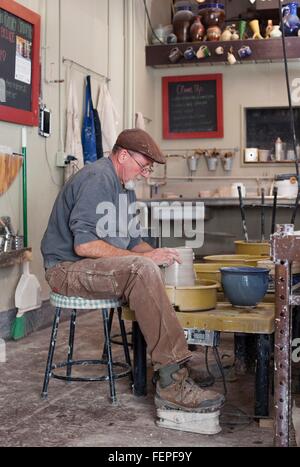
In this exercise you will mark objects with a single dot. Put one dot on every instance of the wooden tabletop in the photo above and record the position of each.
(226, 318)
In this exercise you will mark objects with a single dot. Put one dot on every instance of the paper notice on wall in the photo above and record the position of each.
(2, 90)
(23, 60)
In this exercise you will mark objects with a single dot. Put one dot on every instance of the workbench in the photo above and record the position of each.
(257, 321)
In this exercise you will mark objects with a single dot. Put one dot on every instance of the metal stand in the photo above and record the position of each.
(285, 250)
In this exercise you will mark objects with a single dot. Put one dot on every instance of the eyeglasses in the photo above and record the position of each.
(145, 169)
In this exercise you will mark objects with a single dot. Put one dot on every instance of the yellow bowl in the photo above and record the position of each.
(200, 297)
(233, 260)
(207, 272)
(252, 248)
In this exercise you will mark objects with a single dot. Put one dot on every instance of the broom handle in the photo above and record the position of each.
(24, 186)
(243, 215)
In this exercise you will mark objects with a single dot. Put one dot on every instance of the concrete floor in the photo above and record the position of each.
(79, 414)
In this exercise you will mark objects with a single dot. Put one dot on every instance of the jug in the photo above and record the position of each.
(291, 21)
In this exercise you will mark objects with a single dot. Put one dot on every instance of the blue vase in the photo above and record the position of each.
(290, 19)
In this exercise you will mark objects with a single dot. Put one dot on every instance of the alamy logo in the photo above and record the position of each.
(179, 220)
(296, 351)
(2, 351)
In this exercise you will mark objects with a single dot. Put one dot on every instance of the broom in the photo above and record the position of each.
(28, 291)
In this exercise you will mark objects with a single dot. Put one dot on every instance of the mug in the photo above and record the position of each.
(203, 52)
(175, 55)
(189, 53)
(231, 58)
(244, 51)
(219, 50)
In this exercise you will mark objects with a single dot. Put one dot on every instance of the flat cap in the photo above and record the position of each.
(140, 141)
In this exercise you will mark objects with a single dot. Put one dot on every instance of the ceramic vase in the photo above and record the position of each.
(182, 21)
(275, 33)
(197, 30)
(291, 21)
(254, 25)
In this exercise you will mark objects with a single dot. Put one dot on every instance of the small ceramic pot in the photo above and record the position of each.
(219, 51)
(213, 33)
(226, 35)
(171, 38)
(245, 286)
(231, 58)
(275, 33)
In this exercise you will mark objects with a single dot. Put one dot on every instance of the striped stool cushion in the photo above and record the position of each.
(80, 303)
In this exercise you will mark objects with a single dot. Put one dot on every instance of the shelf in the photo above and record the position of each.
(267, 50)
(15, 257)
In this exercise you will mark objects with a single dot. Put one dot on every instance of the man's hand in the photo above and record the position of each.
(163, 256)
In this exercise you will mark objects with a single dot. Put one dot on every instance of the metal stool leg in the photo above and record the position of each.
(124, 340)
(53, 338)
(109, 356)
(110, 320)
(71, 341)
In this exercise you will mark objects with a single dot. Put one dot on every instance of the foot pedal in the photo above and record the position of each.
(202, 423)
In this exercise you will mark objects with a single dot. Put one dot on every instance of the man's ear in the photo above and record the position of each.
(123, 156)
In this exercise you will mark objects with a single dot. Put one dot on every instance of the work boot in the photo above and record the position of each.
(183, 394)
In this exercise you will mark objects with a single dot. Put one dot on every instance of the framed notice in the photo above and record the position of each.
(192, 106)
(19, 63)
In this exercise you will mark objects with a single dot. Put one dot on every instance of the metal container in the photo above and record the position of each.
(2, 242)
(8, 241)
(18, 242)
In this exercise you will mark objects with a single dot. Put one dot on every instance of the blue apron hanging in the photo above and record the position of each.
(88, 128)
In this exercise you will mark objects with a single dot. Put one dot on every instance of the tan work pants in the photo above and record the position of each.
(138, 282)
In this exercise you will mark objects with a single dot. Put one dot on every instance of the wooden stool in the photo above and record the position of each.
(77, 303)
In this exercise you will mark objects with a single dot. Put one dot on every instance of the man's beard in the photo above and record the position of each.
(129, 185)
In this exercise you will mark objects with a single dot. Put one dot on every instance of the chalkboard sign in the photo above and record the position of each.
(19, 63)
(265, 124)
(192, 106)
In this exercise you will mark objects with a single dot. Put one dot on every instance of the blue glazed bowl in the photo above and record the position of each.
(244, 286)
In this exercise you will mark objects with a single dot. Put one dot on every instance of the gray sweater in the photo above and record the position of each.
(92, 205)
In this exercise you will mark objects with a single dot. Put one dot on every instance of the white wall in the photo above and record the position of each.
(92, 34)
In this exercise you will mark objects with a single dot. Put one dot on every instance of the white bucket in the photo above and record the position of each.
(287, 188)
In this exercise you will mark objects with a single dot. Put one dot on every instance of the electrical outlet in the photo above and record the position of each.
(60, 158)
